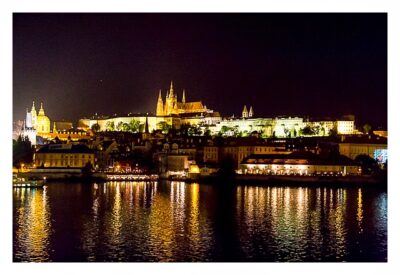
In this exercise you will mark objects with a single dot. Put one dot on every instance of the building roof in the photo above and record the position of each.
(195, 105)
(298, 158)
(65, 148)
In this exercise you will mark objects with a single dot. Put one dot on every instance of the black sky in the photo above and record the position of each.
(281, 64)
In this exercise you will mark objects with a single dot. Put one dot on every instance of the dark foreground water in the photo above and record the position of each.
(174, 221)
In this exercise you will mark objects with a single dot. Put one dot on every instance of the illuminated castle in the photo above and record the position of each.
(173, 106)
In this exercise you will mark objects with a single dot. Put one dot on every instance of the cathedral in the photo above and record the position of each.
(36, 123)
(172, 106)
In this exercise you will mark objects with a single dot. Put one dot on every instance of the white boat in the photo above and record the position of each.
(27, 183)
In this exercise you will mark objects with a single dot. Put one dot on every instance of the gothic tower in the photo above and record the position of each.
(34, 115)
(244, 112)
(170, 101)
(160, 106)
(28, 130)
(251, 113)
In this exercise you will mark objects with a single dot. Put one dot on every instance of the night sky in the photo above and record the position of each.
(281, 64)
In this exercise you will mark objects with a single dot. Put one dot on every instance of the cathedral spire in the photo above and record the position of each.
(159, 96)
(183, 96)
(244, 112)
(171, 90)
(146, 127)
(251, 112)
(33, 115)
(160, 105)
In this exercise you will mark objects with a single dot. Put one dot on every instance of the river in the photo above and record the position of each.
(177, 221)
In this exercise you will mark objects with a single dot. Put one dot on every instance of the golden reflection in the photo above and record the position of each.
(34, 226)
(174, 221)
(293, 218)
(194, 218)
(162, 225)
(115, 226)
(91, 228)
(286, 200)
(359, 210)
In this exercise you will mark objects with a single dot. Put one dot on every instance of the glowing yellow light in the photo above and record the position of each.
(194, 169)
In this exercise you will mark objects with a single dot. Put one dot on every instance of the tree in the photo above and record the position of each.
(87, 170)
(141, 128)
(227, 168)
(367, 128)
(95, 128)
(333, 132)
(134, 126)
(236, 131)
(307, 131)
(316, 130)
(163, 126)
(224, 130)
(368, 164)
(110, 126)
(193, 130)
(125, 127)
(120, 126)
(22, 151)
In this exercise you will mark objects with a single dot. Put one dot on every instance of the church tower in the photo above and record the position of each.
(170, 101)
(183, 96)
(251, 113)
(160, 106)
(27, 129)
(245, 114)
(146, 132)
(34, 115)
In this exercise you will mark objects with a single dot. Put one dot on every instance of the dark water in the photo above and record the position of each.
(174, 221)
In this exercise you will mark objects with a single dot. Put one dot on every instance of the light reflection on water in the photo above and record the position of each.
(176, 221)
(32, 227)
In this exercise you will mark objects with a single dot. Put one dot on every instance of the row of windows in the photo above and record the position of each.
(56, 163)
(62, 156)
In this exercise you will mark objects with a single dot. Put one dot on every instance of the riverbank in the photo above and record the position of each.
(52, 176)
(259, 180)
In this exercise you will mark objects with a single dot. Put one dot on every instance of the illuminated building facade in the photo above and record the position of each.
(362, 145)
(345, 127)
(173, 113)
(115, 122)
(63, 156)
(170, 112)
(280, 127)
(298, 164)
(237, 150)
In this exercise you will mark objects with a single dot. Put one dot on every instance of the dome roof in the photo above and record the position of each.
(43, 118)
